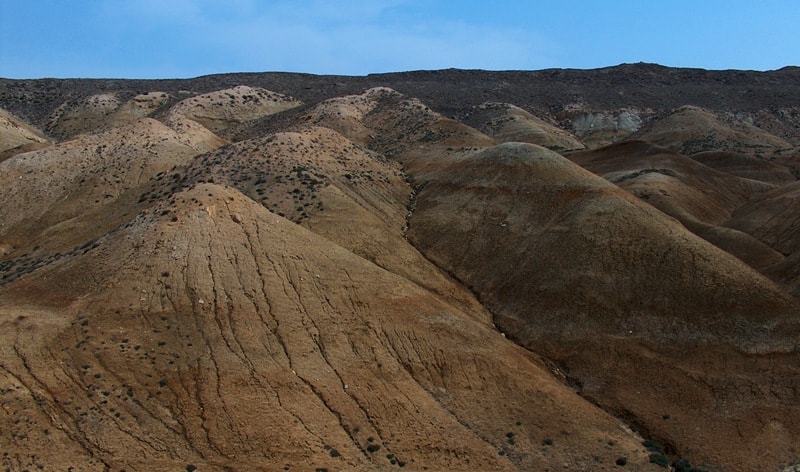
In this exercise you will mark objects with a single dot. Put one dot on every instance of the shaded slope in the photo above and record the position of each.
(575, 268)
(773, 218)
(701, 198)
(86, 115)
(742, 165)
(506, 122)
(102, 111)
(139, 106)
(213, 332)
(17, 136)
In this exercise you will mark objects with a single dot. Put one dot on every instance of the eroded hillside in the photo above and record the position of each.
(398, 271)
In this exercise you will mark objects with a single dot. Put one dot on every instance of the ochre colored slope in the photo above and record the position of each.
(572, 266)
(67, 194)
(337, 188)
(17, 137)
(210, 331)
(701, 198)
(226, 108)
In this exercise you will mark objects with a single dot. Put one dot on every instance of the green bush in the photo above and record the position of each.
(653, 446)
(659, 459)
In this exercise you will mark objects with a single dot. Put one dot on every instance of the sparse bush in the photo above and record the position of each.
(681, 465)
(653, 446)
(659, 459)
(622, 461)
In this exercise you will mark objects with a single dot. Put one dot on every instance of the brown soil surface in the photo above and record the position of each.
(295, 272)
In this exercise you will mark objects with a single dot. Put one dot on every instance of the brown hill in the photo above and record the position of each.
(298, 288)
(742, 165)
(210, 331)
(223, 109)
(702, 199)
(505, 122)
(575, 268)
(60, 197)
(17, 136)
(773, 218)
(140, 106)
(691, 129)
(337, 188)
(787, 273)
(84, 116)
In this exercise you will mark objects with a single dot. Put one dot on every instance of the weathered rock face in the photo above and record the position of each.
(378, 274)
(601, 128)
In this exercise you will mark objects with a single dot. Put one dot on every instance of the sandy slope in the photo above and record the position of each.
(211, 331)
(16, 136)
(64, 195)
(322, 293)
(223, 109)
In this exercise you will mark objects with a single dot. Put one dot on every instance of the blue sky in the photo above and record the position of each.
(187, 38)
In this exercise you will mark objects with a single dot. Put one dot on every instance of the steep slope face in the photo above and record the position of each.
(399, 127)
(536, 199)
(139, 106)
(347, 114)
(747, 167)
(223, 109)
(210, 331)
(701, 198)
(338, 189)
(83, 116)
(17, 136)
(102, 111)
(579, 270)
(600, 127)
(506, 122)
(774, 219)
(62, 196)
(691, 129)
